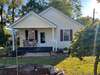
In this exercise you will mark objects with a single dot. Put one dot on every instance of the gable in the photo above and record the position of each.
(32, 20)
(60, 19)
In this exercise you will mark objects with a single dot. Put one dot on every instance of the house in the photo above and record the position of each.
(50, 28)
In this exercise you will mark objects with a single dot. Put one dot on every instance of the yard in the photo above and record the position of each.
(71, 65)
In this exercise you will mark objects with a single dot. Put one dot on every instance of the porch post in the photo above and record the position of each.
(53, 38)
(13, 40)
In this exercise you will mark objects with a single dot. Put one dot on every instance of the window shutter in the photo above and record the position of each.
(71, 34)
(36, 35)
(61, 35)
(26, 34)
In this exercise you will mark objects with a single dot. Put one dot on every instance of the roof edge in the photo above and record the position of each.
(43, 12)
(32, 12)
(20, 19)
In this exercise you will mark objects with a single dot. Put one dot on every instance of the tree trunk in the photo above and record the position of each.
(96, 64)
(1, 23)
(1, 14)
(13, 12)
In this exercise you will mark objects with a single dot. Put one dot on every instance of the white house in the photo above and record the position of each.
(50, 28)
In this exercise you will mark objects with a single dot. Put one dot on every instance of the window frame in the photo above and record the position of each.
(66, 35)
(69, 33)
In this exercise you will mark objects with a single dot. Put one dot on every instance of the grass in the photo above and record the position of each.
(53, 60)
(71, 65)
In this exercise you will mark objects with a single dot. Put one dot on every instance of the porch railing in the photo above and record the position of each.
(30, 43)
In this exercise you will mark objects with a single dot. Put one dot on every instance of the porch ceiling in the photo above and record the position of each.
(32, 20)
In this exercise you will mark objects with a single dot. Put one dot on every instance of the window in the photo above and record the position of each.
(42, 37)
(66, 35)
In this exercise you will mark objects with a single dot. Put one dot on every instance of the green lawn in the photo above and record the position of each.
(71, 66)
(53, 60)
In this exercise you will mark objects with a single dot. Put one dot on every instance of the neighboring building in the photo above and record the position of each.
(50, 28)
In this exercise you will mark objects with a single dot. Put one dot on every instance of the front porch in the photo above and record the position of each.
(34, 31)
(35, 39)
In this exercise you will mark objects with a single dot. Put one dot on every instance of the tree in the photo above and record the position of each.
(2, 34)
(13, 5)
(76, 5)
(87, 21)
(70, 7)
(37, 6)
(63, 5)
(24, 10)
(87, 42)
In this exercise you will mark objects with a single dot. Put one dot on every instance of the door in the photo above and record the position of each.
(42, 37)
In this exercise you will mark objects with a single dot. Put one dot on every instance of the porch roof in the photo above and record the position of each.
(32, 20)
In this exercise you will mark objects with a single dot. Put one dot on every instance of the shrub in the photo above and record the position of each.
(3, 51)
(65, 48)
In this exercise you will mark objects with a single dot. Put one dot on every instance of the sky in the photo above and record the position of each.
(88, 6)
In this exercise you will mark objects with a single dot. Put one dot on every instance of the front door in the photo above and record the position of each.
(42, 37)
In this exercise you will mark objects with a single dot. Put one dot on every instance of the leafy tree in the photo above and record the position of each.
(87, 21)
(37, 6)
(87, 42)
(24, 10)
(13, 5)
(70, 7)
(2, 34)
(63, 5)
(76, 5)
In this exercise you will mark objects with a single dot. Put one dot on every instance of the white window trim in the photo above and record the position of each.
(64, 35)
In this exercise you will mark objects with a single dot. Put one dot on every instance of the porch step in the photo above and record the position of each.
(36, 54)
(35, 49)
(24, 50)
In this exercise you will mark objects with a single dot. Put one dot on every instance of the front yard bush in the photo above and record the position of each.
(3, 51)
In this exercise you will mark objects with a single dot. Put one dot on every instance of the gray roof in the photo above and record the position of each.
(32, 20)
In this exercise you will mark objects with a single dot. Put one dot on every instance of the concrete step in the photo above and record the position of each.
(36, 54)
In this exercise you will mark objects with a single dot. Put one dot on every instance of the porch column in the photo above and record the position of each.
(13, 40)
(53, 39)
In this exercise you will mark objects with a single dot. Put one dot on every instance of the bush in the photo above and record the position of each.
(66, 49)
(3, 51)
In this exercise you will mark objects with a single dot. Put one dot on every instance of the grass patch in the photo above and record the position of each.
(71, 65)
(53, 60)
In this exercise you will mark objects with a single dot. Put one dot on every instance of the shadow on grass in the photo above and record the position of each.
(48, 60)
